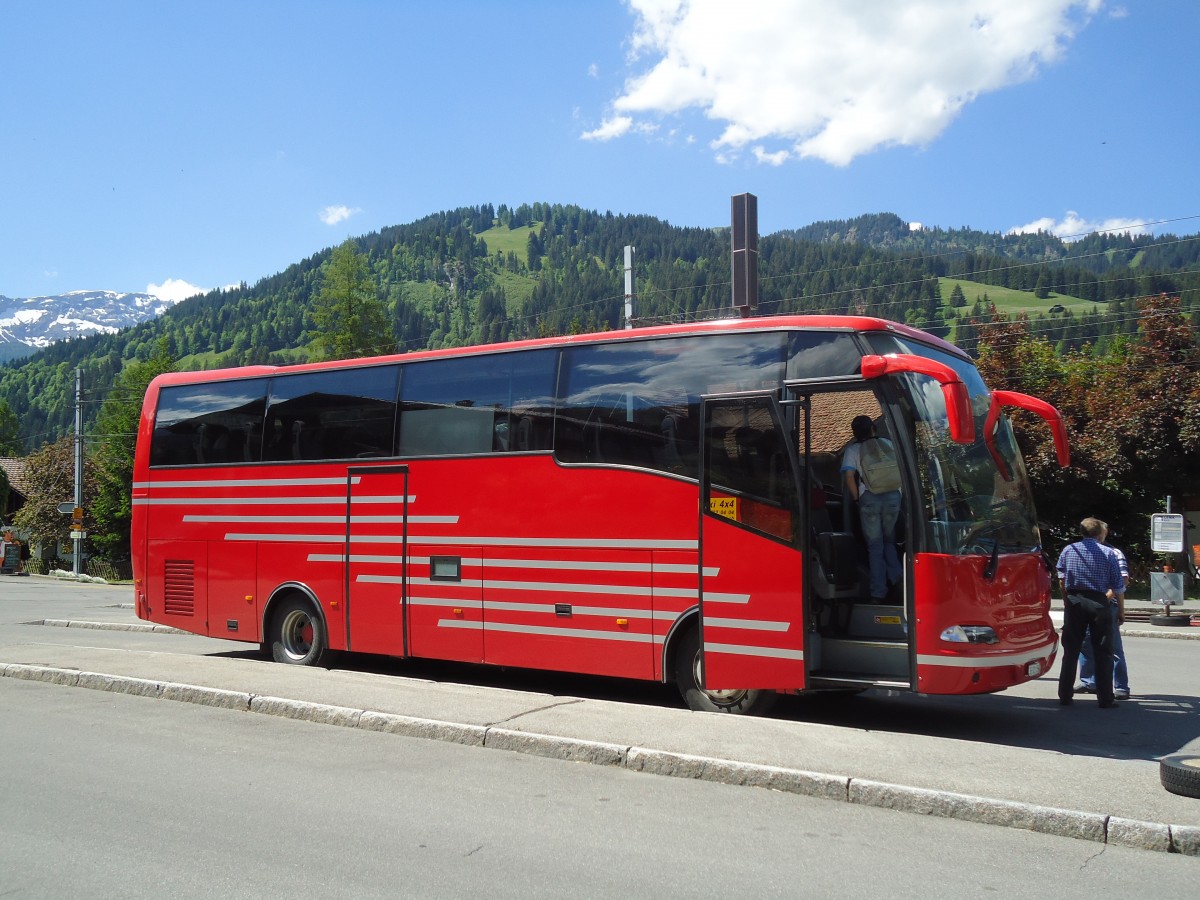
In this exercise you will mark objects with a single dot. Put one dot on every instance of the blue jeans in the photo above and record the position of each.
(1087, 665)
(878, 514)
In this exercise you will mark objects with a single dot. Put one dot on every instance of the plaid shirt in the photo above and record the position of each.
(1089, 565)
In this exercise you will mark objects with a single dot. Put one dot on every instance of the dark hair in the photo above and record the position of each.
(863, 428)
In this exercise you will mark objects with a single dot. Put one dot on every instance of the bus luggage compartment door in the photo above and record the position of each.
(376, 557)
(751, 606)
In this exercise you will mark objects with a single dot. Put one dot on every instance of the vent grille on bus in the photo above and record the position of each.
(179, 587)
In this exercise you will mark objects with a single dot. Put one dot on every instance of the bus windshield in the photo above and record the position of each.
(969, 506)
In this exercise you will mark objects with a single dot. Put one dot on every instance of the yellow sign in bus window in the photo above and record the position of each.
(724, 506)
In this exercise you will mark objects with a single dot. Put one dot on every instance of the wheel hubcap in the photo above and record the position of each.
(297, 634)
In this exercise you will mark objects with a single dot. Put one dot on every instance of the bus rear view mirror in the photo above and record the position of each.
(958, 402)
(1048, 412)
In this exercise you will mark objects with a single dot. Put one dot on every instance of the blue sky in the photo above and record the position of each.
(170, 146)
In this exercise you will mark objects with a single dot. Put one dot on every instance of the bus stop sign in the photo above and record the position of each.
(1166, 533)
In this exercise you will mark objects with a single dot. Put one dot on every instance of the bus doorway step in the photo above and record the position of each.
(853, 681)
(887, 659)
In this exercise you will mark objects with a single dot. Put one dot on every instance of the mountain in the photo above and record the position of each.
(490, 274)
(1097, 252)
(30, 324)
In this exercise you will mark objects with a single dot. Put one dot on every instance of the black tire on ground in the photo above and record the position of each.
(1180, 774)
(1174, 619)
(687, 679)
(298, 633)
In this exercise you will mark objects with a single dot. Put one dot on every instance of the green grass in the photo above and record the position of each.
(517, 289)
(500, 239)
(1008, 300)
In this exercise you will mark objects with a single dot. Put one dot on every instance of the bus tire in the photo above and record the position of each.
(298, 634)
(687, 678)
(1180, 774)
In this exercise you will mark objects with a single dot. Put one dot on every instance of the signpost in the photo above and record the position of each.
(77, 533)
(1166, 533)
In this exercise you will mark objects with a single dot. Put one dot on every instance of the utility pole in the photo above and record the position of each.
(628, 286)
(77, 515)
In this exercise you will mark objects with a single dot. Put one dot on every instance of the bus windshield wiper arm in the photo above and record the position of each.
(989, 571)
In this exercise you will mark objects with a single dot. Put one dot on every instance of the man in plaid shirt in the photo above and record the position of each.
(1087, 572)
(1087, 668)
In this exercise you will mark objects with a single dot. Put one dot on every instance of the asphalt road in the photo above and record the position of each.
(1018, 748)
(108, 795)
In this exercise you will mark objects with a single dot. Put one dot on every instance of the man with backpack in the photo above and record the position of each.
(872, 477)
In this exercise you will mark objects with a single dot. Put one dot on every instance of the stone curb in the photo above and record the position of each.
(107, 626)
(1170, 634)
(1097, 827)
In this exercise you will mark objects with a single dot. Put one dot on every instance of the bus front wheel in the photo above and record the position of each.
(688, 678)
(298, 634)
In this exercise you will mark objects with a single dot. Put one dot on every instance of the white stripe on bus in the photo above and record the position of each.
(551, 587)
(742, 650)
(748, 624)
(263, 501)
(449, 541)
(245, 482)
(719, 597)
(565, 565)
(546, 608)
(542, 586)
(554, 632)
(330, 520)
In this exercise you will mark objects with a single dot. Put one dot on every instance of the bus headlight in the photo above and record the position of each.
(970, 634)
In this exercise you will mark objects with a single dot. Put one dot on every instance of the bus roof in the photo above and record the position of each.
(711, 326)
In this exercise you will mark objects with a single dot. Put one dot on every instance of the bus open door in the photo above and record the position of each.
(751, 606)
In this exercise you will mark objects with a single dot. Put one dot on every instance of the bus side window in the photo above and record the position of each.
(637, 402)
(205, 424)
(336, 414)
(489, 403)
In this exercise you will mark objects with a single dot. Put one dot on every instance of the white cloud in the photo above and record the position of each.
(331, 215)
(778, 158)
(174, 290)
(832, 80)
(1074, 226)
(609, 129)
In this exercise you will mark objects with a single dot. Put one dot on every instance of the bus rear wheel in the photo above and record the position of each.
(688, 678)
(298, 634)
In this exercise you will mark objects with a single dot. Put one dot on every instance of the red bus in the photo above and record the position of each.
(663, 503)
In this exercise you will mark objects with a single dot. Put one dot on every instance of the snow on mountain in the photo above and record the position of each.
(28, 324)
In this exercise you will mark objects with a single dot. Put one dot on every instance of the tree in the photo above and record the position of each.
(10, 431)
(1132, 416)
(114, 436)
(347, 313)
(50, 474)
(957, 297)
